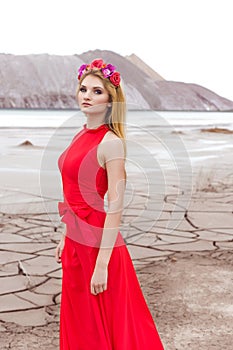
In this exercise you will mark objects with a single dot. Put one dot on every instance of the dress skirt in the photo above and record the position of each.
(116, 319)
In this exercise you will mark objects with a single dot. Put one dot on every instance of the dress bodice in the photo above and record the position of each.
(84, 180)
(85, 183)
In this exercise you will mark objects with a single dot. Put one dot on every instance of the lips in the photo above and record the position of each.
(85, 104)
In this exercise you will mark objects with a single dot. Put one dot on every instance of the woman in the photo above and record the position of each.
(102, 305)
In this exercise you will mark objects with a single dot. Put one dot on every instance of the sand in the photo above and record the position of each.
(179, 234)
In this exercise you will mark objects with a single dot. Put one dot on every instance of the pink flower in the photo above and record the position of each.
(108, 70)
(97, 64)
(82, 70)
(115, 79)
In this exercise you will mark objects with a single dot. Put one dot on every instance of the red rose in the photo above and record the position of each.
(115, 79)
(97, 64)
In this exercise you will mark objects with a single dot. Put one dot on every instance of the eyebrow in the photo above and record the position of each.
(94, 87)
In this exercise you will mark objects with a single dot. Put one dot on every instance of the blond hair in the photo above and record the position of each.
(116, 114)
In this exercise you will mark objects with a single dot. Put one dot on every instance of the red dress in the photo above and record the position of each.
(118, 318)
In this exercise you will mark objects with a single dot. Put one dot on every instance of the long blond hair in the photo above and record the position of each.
(115, 117)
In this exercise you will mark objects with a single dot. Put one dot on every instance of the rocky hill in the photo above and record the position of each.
(49, 81)
(144, 67)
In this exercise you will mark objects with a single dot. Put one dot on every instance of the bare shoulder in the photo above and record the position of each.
(111, 147)
(110, 135)
(111, 139)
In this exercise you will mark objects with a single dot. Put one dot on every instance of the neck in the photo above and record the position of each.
(94, 121)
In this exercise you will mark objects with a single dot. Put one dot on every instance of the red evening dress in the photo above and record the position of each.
(118, 318)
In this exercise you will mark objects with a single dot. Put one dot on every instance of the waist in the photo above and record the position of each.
(80, 209)
(85, 224)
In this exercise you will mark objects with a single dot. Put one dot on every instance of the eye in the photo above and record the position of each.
(98, 92)
(82, 89)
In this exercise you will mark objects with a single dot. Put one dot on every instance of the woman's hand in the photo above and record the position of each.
(59, 249)
(99, 279)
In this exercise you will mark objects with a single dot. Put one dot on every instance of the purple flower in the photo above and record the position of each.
(108, 70)
(81, 70)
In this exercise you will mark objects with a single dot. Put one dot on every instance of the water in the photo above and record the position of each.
(54, 119)
(16, 126)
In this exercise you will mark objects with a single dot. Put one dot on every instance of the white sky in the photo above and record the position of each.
(183, 40)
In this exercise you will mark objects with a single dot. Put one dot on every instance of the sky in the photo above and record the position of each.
(182, 40)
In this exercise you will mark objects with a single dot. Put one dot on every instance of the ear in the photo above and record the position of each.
(109, 104)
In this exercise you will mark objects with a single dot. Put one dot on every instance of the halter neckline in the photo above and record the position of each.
(100, 127)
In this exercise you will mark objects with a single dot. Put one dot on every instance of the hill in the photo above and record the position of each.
(50, 81)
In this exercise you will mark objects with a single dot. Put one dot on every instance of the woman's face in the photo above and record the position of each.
(93, 98)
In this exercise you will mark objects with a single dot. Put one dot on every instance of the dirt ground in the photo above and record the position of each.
(192, 301)
(190, 297)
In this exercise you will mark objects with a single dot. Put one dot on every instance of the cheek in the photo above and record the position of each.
(102, 99)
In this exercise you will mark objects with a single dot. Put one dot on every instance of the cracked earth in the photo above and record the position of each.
(185, 273)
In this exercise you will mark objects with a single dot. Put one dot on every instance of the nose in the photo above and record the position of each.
(86, 95)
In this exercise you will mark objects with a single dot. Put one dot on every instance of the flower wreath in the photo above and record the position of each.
(108, 71)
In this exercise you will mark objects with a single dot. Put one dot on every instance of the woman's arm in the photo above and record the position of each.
(113, 154)
(115, 166)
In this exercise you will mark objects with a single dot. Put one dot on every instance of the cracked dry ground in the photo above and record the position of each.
(186, 274)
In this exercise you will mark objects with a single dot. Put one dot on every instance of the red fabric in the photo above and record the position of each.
(118, 318)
